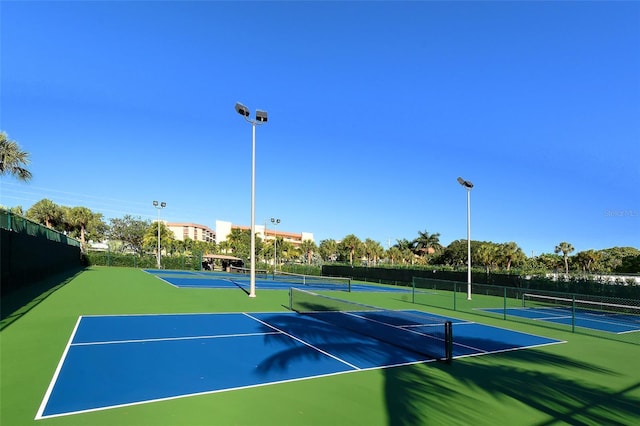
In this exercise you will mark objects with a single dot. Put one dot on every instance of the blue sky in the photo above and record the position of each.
(375, 109)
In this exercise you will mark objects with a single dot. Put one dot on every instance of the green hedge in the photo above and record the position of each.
(405, 276)
(181, 262)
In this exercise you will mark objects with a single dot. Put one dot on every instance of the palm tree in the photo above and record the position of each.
(486, 254)
(351, 243)
(46, 212)
(512, 254)
(373, 250)
(394, 254)
(328, 250)
(17, 210)
(587, 259)
(564, 248)
(150, 238)
(287, 251)
(308, 247)
(224, 246)
(407, 255)
(403, 244)
(426, 243)
(238, 241)
(80, 218)
(13, 159)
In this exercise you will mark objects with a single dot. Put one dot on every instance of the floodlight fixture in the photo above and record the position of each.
(465, 183)
(242, 110)
(261, 116)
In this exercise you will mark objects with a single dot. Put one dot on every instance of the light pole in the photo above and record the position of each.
(261, 118)
(275, 242)
(159, 206)
(468, 185)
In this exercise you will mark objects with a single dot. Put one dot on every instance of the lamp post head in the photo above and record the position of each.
(163, 204)
(155, 204)
(465, 183)
(261, 116)
(242, 110)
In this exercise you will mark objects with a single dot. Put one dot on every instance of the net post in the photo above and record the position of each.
(448, 338)
(455, 295)
(573, 313)
(505, 303)
(413, 289)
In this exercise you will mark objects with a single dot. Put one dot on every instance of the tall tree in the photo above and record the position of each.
(394, 255)
(565, 248)
(81, 218)
(308, 247)
(403, 244)
(45, 212)
(455, 254)
(13, 160)
(351, 244)
(550, 261)
(150, 238)
(486, 254)
(287, 251)
(587, 259)
(611, 259)
(512, 254)
(426, 243)
(130, 230)
(372, 250)
(239, 241)
(328, 250)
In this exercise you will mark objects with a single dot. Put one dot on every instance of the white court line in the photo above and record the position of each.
(170, 339)
(47, 394)
(304, 343)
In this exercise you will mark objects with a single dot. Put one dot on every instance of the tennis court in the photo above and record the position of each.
(119, 337)
(265, 281)
(121, 360)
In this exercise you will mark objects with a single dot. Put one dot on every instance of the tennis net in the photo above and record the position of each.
(570, 304)
(415, 331)
(330, 283)
(260, 273)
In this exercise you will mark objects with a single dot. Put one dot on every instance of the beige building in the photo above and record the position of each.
(224, 228)
(193, 231)
(197, 232)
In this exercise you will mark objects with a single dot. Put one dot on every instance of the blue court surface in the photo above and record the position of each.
(601, 321)
(222, 280)
(115, 361)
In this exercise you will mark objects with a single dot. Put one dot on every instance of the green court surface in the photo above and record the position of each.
(588, 380)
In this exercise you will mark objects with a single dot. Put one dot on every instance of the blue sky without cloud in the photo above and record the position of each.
(375, 109)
